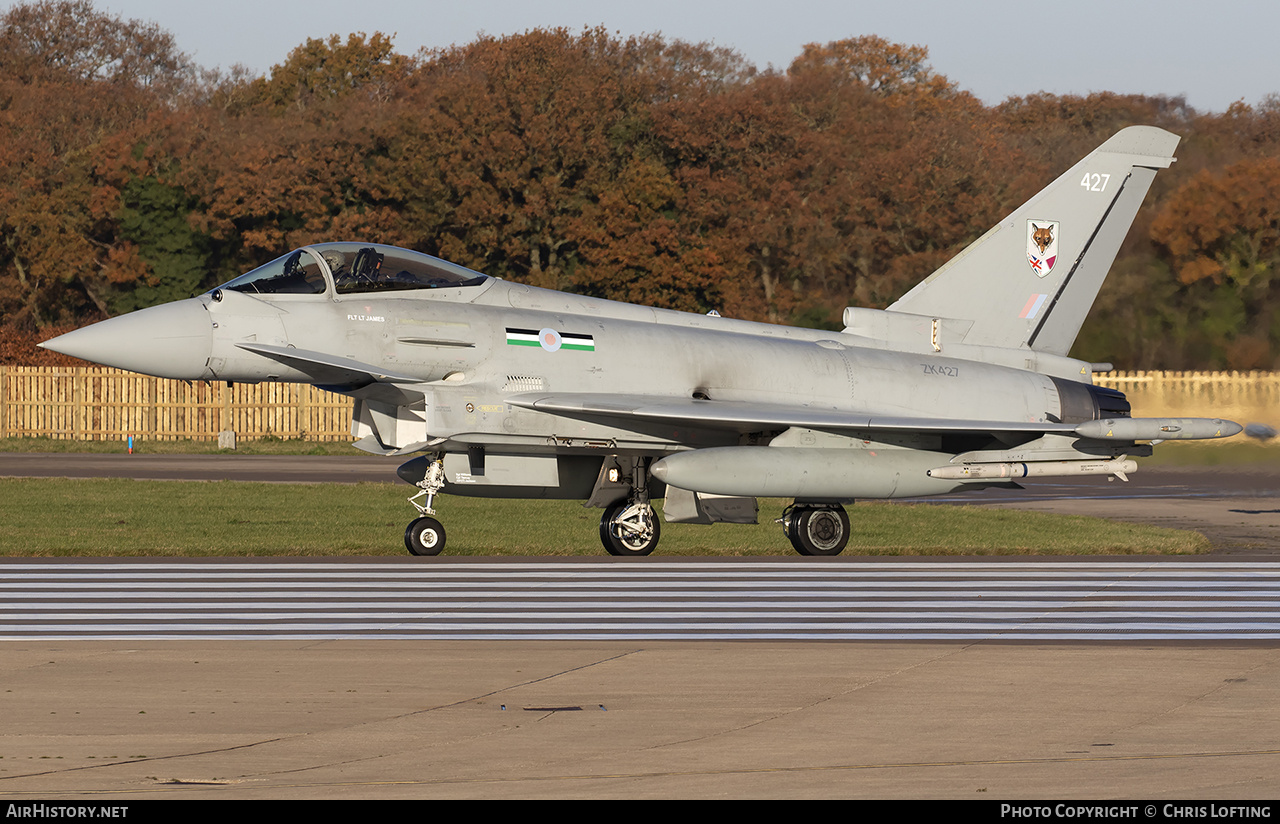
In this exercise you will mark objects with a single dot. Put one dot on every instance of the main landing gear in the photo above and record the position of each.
(816, 529)
(630, 527)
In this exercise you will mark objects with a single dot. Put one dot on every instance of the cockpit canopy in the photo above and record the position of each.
(353, 268)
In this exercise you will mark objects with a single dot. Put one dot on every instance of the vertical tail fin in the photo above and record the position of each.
(1031, 279)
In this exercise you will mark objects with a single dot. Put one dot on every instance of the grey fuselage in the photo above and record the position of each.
(456, 339)
(524, 391)
(456, 343)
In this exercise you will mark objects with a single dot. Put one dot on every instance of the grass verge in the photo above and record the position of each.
(118, 517)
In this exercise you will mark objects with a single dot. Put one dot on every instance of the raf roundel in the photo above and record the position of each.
(549, 339)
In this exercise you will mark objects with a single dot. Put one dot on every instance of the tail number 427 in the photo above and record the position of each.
(1095, 182)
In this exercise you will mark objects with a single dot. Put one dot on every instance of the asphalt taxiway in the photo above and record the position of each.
(109, 722)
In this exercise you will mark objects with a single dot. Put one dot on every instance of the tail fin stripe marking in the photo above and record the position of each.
(1033, 305)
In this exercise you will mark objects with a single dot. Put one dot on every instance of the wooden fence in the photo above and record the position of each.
(1244, 397)
(95, 403)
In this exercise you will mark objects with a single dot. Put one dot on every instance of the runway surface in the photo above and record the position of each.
(797, 600)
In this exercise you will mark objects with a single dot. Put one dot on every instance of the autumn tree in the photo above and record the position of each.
(752, 170)
(894, 71)
(1054, 131)
(69, 40)
(918, 168)
(533, 157)
(296, 157)
(70, 77)
(1221, 233)
(327, 70)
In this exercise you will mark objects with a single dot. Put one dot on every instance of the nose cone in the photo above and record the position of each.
(169, 341)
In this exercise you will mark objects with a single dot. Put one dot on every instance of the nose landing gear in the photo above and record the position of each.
(425, 536)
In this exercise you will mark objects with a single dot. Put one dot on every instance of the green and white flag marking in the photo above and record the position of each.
(550, 339)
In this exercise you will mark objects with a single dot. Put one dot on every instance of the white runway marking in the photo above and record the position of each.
(1125, 600)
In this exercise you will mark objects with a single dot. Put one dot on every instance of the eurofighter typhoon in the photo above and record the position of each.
(510, 391)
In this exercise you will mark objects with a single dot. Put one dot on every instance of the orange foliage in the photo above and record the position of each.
(638, 169)
(1223, 225)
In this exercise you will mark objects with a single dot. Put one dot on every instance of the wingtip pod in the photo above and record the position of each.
(1158, 429)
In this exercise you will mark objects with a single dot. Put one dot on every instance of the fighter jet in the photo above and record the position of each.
(511, 391)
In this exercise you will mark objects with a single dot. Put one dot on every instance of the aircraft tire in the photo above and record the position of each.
(819, 531)
(425, 536)
(629, 546)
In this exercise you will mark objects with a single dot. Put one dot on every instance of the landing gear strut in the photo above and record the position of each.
(425, 536)
(816, 529)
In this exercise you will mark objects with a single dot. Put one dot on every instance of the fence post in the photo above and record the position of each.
(153, 393)
(225, 423)
(77, 405)
(304, 410)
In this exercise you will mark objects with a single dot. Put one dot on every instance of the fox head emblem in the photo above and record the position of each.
(1042, 236)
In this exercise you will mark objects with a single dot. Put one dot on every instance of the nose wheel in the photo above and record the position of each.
(816, 530)
(425, 536)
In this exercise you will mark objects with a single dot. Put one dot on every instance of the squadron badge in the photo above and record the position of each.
(1042, 245)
